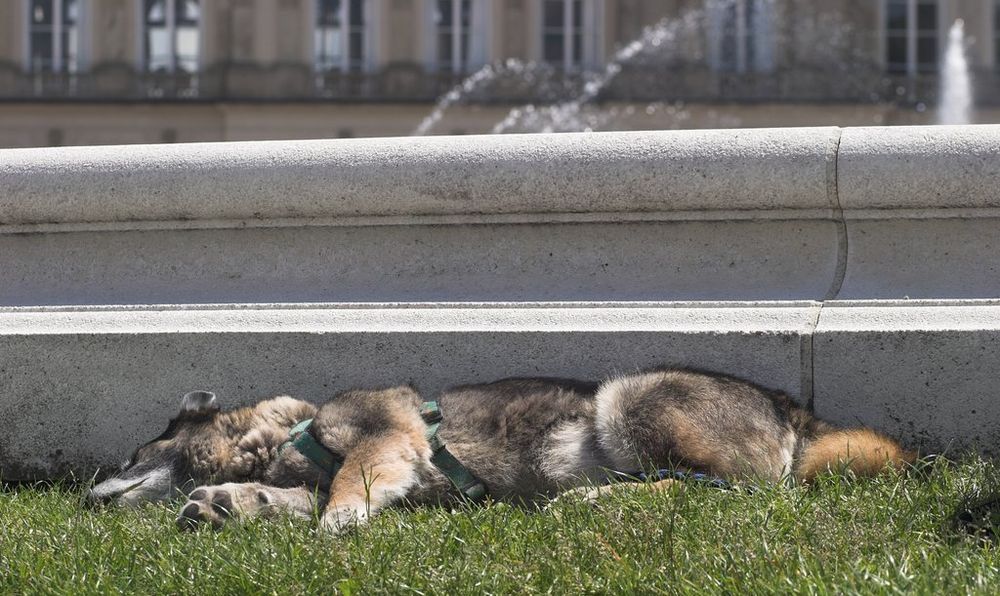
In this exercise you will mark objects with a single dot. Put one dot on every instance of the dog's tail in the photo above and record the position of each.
(860, 450)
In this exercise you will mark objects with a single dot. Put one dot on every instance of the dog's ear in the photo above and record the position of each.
(199, 402)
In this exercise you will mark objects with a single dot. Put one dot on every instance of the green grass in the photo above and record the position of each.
(886, 535)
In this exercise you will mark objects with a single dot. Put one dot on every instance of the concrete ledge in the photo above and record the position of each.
(926, 371)
(776, 317)
(798, 173)
(706, 171)
(81, 387)
(919, 168)
(920, 208)
(774, 214)
(537, 262)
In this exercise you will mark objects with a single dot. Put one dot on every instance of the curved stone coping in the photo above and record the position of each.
(355, 180)
(789, 173)
(919, 168)
(80, 388)
(812, 213)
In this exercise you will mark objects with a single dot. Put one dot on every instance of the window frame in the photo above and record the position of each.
(751, 40)
(172, 29)
(460, 61)
(570, 32)
(57, 63)
(345, 62)
(590, 34)
(479, 44)
(995, 34)
(912, 36)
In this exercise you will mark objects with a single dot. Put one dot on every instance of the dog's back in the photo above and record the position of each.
(528, 437)
(728, 427)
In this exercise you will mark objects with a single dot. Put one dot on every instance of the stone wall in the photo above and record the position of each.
(854, 268)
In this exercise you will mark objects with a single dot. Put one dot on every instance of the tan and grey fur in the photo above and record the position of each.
(524, 438)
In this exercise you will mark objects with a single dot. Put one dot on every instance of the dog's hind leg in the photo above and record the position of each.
(375, 474)
(217, 505)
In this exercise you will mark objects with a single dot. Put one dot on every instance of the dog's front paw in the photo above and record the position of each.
(339, 520)
(216, 505)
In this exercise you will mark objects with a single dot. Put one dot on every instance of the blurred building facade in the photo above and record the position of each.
(134, 71)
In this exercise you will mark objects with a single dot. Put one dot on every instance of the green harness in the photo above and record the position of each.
(305, 443)
(460, 477)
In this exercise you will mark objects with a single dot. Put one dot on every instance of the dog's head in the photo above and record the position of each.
(172, 463)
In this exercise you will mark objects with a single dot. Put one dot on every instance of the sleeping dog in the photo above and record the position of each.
(514, 439)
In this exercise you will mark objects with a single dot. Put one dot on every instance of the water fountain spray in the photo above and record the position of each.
(566, 117)
(469, 85)
(956, 82)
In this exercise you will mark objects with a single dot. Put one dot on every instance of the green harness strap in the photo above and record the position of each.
(305, 443)
(460, 477)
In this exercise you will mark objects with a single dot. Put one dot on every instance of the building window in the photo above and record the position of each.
(340, 35)
(996, 35)
(453, 24)
(170, 39)
(562, 33)
(911, 36)
(741, 36)
(54, 35)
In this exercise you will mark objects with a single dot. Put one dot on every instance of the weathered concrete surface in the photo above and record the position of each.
(709, 215)
(922, 258)
(633, 172)
(919, 168)
(820, 213)
(80, 389)
(924, 371)
(921, 206)
(739, 215)
(756, 260)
